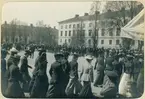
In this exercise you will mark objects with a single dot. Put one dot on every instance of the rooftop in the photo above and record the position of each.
(107, 15)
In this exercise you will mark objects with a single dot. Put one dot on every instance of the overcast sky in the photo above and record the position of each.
(50, 12)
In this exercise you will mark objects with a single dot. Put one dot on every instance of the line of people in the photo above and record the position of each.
(110, 73)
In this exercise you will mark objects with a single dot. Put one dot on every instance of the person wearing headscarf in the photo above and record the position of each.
(40, 85)
(74, 86)
(86, 77)
(56, 88)
(24, 69)
(99, 67)
(109, 89)
(14, 89)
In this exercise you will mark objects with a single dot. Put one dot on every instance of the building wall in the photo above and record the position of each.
(62, 39)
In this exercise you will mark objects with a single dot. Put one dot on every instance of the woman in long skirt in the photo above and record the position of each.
(40, 86)
(125, 83)
(87, 77)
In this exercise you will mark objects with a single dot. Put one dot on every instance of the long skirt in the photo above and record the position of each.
(125, 85)
(14, 90)
(55, 90)
(86, 91)
(73, 88)
(40, 86)
(99, 78)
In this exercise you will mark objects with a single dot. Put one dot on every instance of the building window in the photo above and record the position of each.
(102, 41)
(96, 34)
(60, 40)
(103, 32)
(73, 25)
(65, 41)
(133, 42)
(83, 25)
(73, 32)
(117, 42)
(70, 26)
(90, 32)
(110, 32)
(78, 25)
(110, 42)
(89, 41)
(69, 33)
(90, 24)
(118, 32)
(61, 26)
(65, 26)
(83, 32)
(69, 40)
(61, 33)
(65, 33)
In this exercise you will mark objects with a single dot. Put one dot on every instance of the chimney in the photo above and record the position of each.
(86, 14)
(76, 16)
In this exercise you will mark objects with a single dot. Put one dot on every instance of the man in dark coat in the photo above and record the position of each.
(99, 66)
(13, 52)
(14, 89)
(66, 69)
(56, 88)
(24, 68)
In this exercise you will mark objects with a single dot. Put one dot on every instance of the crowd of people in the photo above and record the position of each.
(113, 70)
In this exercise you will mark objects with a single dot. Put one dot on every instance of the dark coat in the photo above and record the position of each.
(108, 63)
(56, 88)
(99, 66)
(39, 83)
(73, 69)
(36, 65)
(24, 68)
(109, 89)
(14, 90)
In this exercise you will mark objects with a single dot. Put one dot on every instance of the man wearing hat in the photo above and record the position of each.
(24, 67)
(56, 88)
(66, 69)
(13, 52)
(14, 89)
(109, 89)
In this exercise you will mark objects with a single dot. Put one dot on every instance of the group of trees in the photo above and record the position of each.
(19, 32)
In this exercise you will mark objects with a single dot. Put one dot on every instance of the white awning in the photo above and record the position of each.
(135, 28)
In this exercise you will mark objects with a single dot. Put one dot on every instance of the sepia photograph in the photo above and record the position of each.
(72, 49)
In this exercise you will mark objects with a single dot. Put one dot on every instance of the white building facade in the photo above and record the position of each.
(108, 34)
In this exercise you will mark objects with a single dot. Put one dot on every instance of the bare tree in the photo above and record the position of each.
(78, 37)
